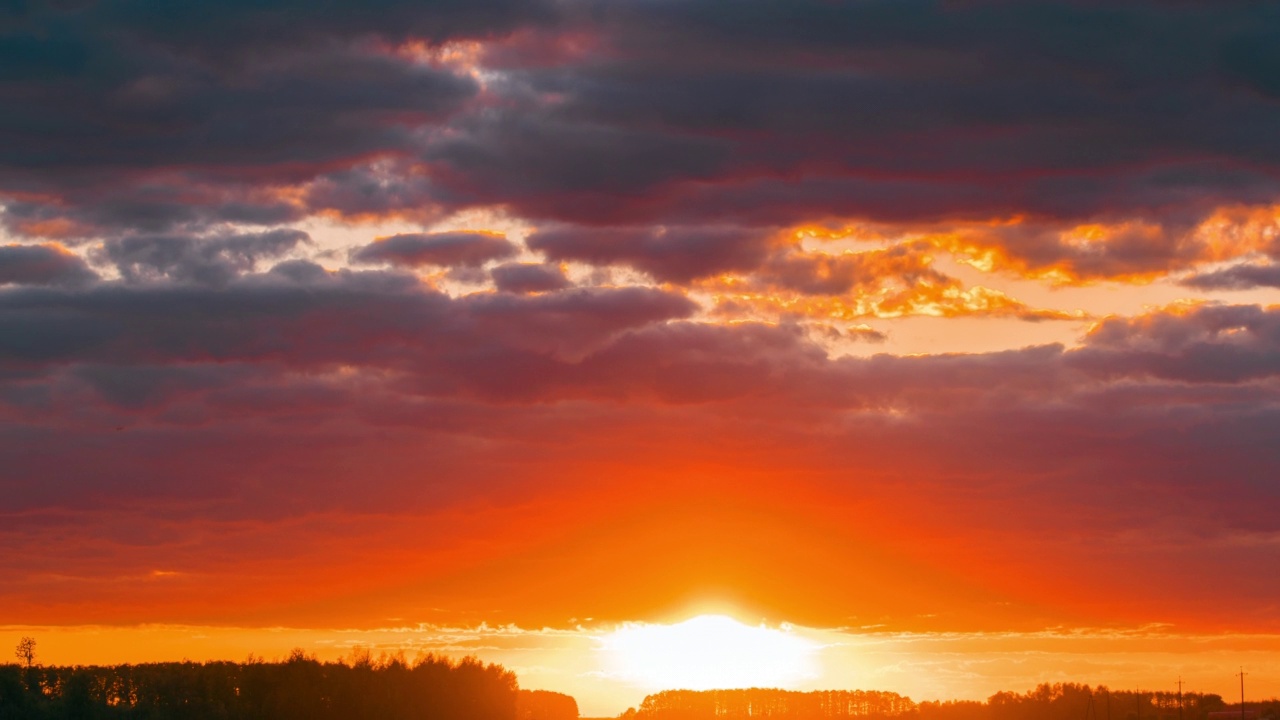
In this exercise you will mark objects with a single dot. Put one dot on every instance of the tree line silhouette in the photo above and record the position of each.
(770, 703)
(1071, 701)
(1059, 701)
(438, 688)
(301, 688)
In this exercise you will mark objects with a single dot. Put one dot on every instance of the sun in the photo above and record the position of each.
(709, 652)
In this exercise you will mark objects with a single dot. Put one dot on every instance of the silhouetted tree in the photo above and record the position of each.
(545, 705)
(26, 651)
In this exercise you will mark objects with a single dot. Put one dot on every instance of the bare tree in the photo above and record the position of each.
(26, 651)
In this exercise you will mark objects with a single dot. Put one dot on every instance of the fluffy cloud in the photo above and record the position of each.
(210, 260)
(1236, 277)
(528, 277)
(42, 265)
(453, 249)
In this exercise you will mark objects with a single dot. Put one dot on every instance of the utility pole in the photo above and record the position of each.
(1242, 673)
(1179, 697)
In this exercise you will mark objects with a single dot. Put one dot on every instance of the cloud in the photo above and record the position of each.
(1211, 343)
(1251, 59)
(906, 95)
(311, 110)
(213, 260)
(240, 102)
(1236, 277)
(528, 277)
(677, 254)
(304, 316)
(908, 114)
(824, 274)
(42, 265)
(449, 249)
(899, 281)
(244, 27)
(620, 342)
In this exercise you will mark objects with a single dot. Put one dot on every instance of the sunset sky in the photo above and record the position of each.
(936, 342)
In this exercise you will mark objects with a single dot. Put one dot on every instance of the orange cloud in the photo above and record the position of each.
(891, 283)
(1133, 251)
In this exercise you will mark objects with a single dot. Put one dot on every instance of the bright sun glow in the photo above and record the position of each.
(709, 651)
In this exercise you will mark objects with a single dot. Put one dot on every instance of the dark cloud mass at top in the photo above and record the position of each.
(224, 97)
(670, 111)
(1066, 110)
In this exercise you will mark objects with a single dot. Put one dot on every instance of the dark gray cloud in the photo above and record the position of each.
(246, 27)
(445, 249)
(42, 265)
(307, 111)
(224, 100)
(608, 341)
(546, 165)
(1252, 58)
(212, 260)
(300, 314)
(1237, 277)
(906, 112)
(1210, 344)
(528, 277)
(389, 187)
(175, 202)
